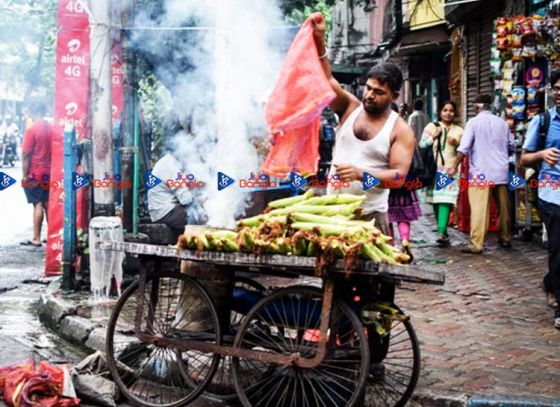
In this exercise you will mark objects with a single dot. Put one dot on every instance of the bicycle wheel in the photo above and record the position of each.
(395, 365)
(222, 386)
(288, 322)
(174, 306)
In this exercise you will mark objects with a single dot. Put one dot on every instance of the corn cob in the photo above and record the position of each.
(326, 229)
(282, 203)
(319, 219)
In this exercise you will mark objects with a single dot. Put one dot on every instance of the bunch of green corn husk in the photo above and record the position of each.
(327, 227)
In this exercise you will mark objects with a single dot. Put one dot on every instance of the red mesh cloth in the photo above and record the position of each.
(293, 111)
(23, 385)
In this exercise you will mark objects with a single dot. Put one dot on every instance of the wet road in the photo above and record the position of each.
(17, 263)
(21, 334)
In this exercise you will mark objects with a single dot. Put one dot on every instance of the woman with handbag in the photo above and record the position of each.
(444, 136)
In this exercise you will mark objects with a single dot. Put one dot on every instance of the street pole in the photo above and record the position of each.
(101, 104)
(69, 231)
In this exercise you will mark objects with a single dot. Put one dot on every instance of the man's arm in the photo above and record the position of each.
(530, 155)
(25, 162)
(344, 101)
(400, 160)
(26, 151)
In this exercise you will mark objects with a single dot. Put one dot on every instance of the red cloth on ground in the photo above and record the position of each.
(293, 111)
(23, 385)
(37, 142)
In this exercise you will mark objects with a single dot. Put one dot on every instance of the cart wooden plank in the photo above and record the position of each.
(278, 263)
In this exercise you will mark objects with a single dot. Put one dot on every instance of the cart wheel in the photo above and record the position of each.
(288, 322)
(222, 386)
(395, 365)
(174, 306)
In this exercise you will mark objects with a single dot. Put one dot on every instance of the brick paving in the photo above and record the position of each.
(488, 330)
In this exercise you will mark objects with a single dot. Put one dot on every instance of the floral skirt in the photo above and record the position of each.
(403, 206)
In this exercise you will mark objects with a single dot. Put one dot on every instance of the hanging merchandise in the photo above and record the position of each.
(532, 96)
(525, 49)
(534, 77)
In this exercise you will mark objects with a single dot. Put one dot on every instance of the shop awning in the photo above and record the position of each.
(457, 10)
(422, 42)
(347, 73)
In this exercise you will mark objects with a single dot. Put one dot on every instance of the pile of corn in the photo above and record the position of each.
(324, 226)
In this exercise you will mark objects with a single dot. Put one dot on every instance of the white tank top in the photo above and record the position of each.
(373, 154)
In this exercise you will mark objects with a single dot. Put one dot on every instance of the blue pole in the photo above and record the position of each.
(69, 247)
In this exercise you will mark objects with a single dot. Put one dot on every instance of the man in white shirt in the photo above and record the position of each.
(418, 120)
(173, 201)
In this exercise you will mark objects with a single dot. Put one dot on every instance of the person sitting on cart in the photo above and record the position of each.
(542, 147)
(172, 201)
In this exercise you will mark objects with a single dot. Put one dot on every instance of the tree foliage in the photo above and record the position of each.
(27, 43)
(297, 11)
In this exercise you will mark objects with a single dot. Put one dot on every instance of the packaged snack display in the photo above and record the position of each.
(518, 112)
(534, 77)
(518, 93)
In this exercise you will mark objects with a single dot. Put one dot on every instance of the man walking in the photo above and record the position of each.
(371, 137)
(418, 120)
(542, 146)
(488, 143)
(36, 165)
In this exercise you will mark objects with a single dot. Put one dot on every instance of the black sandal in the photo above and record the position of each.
(443, 241)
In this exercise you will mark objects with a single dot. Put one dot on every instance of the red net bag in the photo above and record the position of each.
(293, 111)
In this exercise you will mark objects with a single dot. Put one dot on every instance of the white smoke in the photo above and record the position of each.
(234, 63)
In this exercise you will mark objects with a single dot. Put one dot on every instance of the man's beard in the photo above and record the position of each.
(376, 110)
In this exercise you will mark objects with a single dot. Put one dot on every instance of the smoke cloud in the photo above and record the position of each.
(219, 72)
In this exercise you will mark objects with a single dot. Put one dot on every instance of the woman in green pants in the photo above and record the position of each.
(445, 136)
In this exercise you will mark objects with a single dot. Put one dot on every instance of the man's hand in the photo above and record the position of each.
(551, 156)
(319, 26)
(452, 171)
(347, 172)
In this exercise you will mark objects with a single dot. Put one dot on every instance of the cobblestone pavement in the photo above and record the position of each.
(488, 330)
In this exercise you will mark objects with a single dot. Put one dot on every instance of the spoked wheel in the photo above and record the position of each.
(288, 322)
(174, 306)
(222, 386)
(395, 364)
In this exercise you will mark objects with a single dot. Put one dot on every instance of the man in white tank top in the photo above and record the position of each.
(371, 137)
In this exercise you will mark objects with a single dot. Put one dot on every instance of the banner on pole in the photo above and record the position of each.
(70, 107)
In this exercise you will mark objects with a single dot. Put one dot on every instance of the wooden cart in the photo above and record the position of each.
(293, 346)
